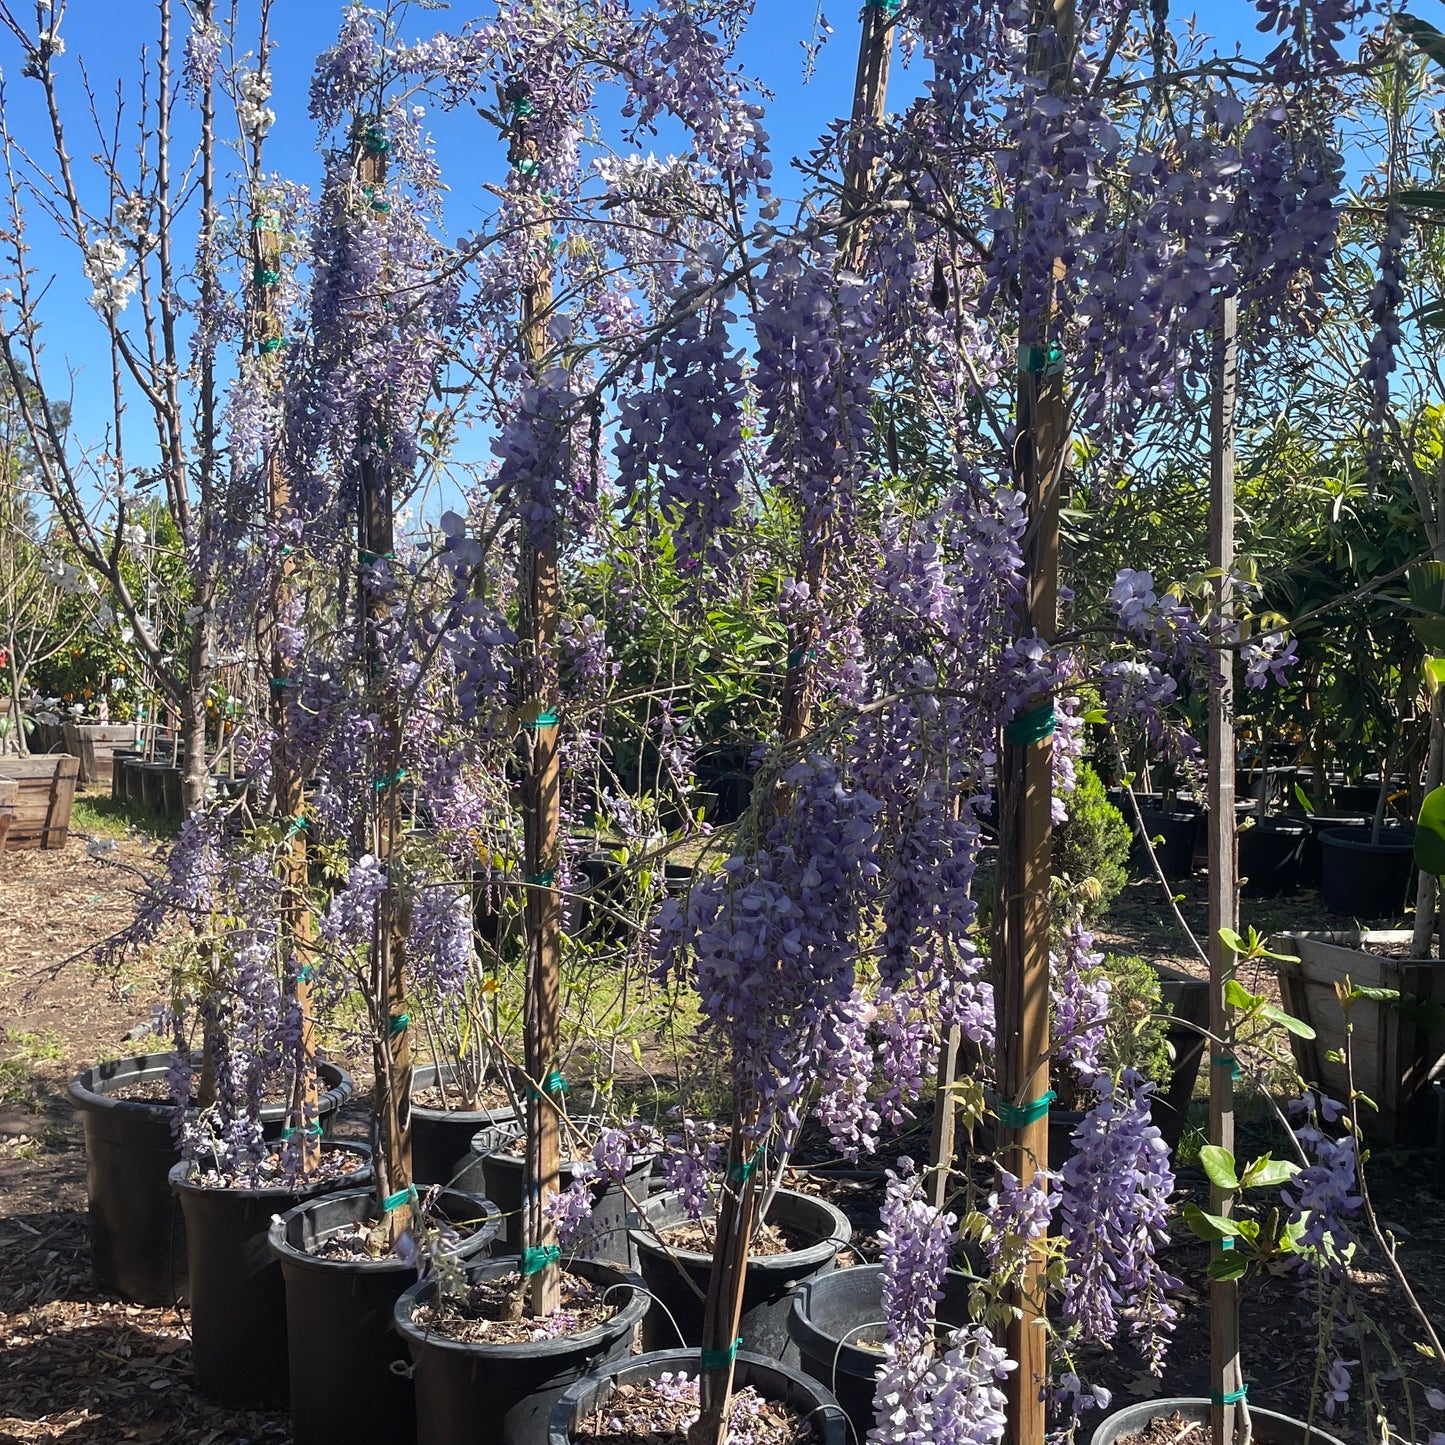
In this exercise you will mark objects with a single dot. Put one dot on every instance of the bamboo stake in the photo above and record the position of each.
(738, 1198)
(1026, 787)
(1226, 1379)
(541, 800)
(391, 1040)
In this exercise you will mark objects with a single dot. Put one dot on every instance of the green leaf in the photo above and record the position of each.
(1430, 833)
(1229, 1265)
(1434, 670)
(1096, 715)
(1430, 200)
(1218, 1164)
(1240, 997)
(1212, 1227)
(1380, 995)
(1268, 1173)
(1303, 799)
(1424, 36)
(1297, 1027)
(1231, 940)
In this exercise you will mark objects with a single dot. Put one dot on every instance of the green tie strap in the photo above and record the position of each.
(395, 1201)
(375, 140)
(306, 973)
(383, 783)
(1031, 727)
(536, 1259)
(314, 1130)
(742, 1171)
(270, 344)
(720, 1359)
(1041, 360)
(264, 276)
(546, 719)
(279, 684)
(554, 1083)
(1020, 1116)
(295, 826)
(1231, 1397)
(541, 880)
(369, 557)
(397, 1023)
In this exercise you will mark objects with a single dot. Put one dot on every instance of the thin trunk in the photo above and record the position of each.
(1026, 782)
(541, 804)
(1427, 889)
(391, 1038)
(1226, 1379)
(738, 1203)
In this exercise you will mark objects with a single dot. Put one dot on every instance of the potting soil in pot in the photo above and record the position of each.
(493, 1311)
(768, 1240)
(658, 1412)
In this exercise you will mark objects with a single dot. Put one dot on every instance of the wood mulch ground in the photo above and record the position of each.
(79, 1369)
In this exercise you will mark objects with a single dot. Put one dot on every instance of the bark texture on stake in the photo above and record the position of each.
(288, 786)
(391, 1049)
(541, 804)
(1026, 781)
(1226, 1378)
(737, 1205)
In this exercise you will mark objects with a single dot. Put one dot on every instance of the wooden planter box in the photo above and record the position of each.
(9, 790)
(45, 790)
(1393, 1056)
(94, 743)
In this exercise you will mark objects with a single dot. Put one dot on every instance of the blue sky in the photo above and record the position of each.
(106, 36)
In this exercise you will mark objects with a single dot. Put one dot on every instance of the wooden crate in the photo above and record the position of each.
(1393, 1057)
(94, 743)
(43, 796)
(9, 789)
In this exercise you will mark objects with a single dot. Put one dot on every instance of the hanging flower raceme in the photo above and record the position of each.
(920, 1398)
(1115, 1211)
(1325, 1195)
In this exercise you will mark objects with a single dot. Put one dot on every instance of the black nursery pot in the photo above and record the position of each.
(605, 1238)
(772, 1380)
(1178, 830)
(835, 1317)
(137, 1232)
(441, 1138)
(1269, 1427)
(770, 1279)
(477, 1394)
(1361, 879)
(237, 1293)
(339, 1314)
(1269, 856)
(1311, 863)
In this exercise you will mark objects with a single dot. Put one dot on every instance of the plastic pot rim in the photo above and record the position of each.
(1392, 840)
(559, 1426)
(484, 1117)
(625, 1320)
(1107, 1433)
(87, 1099)
(288, 1253)
(180, 1182)
(515, 1128)
(809, 1254)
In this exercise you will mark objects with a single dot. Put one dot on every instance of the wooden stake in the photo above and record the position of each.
(1026, 781)
(541, 799)
(1226, 1379)
(391, 1047)
(737, 1208)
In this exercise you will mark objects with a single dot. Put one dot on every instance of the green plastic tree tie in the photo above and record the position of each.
(270, 344)
(293, 828)
(554, 1083)
(1227, 1242)
(382, 784)
(889, 7)
(720, 1359)
(397, 1023)
(546, 719)
(395, 1201)
(1031, 727)
(521, 108)
(369, 557)
(1041, 360)
(306, 972)
(541, 880)
(537, 1258)
(741, 1172)
(375, 140)
(265, 277)
(1020, 1116)
(265, 223)
(527, 166)
(1232, 1397)
(279, 684)
(1228, 1061)
(313, 1129)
